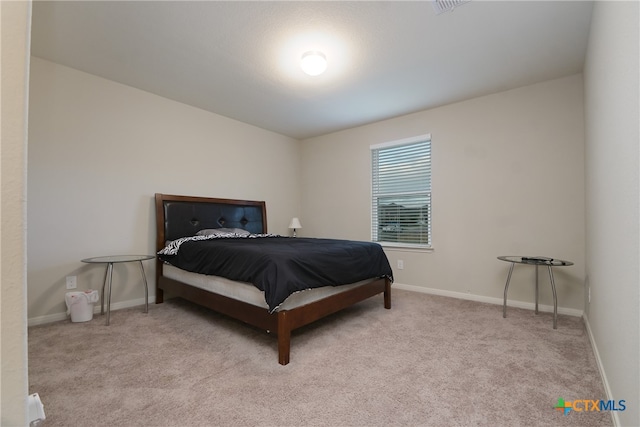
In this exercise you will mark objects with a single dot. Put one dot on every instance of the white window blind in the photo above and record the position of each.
(401, 192)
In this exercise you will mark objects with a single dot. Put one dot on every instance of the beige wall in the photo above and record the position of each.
(508, 178)
(99, 150)
(15, 25)
(613, 199)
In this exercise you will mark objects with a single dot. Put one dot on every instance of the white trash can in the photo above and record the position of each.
(80, 305)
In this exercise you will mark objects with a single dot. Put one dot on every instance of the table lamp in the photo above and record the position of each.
(295, 223)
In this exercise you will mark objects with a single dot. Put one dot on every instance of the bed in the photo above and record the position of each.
(180, 219)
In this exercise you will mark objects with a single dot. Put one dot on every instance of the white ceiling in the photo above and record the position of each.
(240, 59)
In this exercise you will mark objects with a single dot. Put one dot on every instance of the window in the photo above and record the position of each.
(401, 192)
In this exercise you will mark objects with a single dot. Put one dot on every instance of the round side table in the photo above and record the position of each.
(537, 261)
(114, 259)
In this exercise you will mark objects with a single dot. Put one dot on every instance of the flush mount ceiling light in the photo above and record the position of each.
(313, 63)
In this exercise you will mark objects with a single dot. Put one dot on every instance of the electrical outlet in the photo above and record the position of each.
(400, 264)
(72, 282)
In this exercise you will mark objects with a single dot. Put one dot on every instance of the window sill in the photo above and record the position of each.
(399, 247)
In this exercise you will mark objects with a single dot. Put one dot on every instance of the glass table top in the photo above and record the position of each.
(535, 260)
(118, 258)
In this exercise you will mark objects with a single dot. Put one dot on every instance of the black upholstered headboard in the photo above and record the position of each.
(181, 216)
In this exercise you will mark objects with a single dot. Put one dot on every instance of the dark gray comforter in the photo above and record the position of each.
(278, 265)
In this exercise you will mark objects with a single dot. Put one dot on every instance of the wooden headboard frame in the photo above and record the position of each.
(181, 216)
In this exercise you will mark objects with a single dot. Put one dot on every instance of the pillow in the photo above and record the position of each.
(222, 231)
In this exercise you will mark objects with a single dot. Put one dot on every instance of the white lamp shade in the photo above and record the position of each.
(313, 63)
(295, 223)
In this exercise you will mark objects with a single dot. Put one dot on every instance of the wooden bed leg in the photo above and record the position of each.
(387, 294)
(284, 338)
(159, 296)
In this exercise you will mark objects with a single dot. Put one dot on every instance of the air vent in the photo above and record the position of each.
(441, 6)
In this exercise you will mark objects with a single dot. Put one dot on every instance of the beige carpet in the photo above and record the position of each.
(429, 361)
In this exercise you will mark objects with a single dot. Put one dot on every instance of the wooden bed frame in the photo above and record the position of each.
(179, 216)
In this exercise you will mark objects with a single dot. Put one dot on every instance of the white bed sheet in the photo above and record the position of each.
(248, 293)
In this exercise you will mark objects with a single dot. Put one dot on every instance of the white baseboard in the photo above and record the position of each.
(34, 321)
(614, 415)
(489, 300)
(56, 317)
